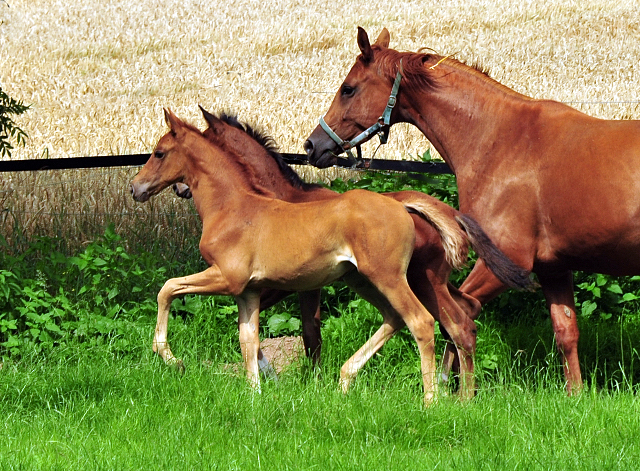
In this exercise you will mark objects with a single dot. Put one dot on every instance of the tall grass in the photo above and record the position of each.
(110, 403)
(101, 412)
(74, 207)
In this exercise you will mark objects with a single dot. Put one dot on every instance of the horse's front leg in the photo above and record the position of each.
(248, 327)
(209, 281)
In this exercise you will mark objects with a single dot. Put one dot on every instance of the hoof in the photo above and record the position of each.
(176, 364)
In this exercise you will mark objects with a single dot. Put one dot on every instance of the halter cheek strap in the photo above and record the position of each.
(381, 127)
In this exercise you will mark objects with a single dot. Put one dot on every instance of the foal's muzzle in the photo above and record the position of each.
(139, 194)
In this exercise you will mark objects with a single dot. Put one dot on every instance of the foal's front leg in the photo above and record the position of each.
(248, 328)
(209, 281)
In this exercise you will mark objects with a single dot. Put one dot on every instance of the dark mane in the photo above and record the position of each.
(270, 146)
(413, 65)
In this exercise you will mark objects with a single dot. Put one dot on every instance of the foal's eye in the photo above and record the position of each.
(158, 154)
(347, 91)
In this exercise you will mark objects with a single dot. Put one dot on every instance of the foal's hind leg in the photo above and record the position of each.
(421, 325)
(452, 309)
(391, 324)
(393, 295)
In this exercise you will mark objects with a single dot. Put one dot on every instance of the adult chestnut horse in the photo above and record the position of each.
(428, 270)
(555, 189)
(253, 241)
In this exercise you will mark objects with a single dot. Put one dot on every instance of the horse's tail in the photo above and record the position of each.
(502, 267)
(454, 238)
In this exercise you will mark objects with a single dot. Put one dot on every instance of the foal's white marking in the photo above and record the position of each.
(347, 256)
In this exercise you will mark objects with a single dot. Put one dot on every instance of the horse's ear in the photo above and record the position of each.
(174, 123)
(383, 38)
(364, 45)
(214, 122)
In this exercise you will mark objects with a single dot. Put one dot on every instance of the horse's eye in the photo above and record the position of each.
(158, 154)
(347, 91)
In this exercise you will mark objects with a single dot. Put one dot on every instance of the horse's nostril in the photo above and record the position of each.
(308, 146)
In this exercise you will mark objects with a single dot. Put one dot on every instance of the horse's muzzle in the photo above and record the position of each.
(321, 158)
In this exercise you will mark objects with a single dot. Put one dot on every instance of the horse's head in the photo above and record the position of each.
(357, 105)
(166, 165)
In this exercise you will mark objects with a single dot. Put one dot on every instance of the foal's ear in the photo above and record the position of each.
(383, 38)
(215, 123)
(364, 45)
(174, 123)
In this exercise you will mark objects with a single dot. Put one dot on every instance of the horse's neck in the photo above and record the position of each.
(464, 116)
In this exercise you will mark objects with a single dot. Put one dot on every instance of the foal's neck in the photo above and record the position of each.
(218, 181)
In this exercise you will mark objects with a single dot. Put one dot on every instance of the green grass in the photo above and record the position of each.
(80, 388)
(85, 412)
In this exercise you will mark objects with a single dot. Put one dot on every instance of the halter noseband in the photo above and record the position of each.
(381, 127)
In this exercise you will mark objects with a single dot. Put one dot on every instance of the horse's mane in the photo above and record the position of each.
(271, 148)
(413, 66)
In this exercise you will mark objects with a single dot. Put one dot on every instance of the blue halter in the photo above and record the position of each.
(381, 127)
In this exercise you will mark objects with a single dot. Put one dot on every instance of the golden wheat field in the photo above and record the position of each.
(97, 75)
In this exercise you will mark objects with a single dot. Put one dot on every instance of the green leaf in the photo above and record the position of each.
(113, 293)
(81, 263)
(99, 262)
(615, 288)
(588, 307)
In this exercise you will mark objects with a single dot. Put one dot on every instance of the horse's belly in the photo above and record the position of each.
(617, 258)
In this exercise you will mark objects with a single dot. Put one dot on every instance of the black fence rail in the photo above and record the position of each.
(133, 160)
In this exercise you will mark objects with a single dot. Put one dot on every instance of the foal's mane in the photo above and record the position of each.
(270, 147)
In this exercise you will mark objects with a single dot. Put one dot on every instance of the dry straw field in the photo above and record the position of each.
(98, 74)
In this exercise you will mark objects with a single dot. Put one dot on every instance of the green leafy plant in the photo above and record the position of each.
(95, 297)
(9, 130)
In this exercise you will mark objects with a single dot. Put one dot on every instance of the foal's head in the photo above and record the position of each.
(253, 147)
(168, 162)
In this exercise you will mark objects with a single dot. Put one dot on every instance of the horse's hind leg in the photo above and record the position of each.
(451, 310)
(394, 295)
(310, 315)
(421, 325)
(349, 370)
(391, 324)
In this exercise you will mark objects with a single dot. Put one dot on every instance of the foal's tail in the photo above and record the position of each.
(457, 233)
(453, 235)
(500, 265)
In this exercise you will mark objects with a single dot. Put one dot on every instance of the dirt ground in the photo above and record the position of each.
(282, 351)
